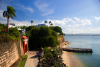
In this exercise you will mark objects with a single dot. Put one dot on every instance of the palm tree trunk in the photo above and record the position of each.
(8, 24)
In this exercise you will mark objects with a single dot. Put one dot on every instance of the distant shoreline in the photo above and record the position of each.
(82, 35)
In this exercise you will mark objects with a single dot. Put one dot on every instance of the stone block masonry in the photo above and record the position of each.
(10, 52)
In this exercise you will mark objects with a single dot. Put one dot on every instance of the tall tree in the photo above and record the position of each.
(45, 22)
(49, 22)
(31, 22)
(10, 13)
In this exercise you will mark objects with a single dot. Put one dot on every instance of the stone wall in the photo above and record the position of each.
(10, 52)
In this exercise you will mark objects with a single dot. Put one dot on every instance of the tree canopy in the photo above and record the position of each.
(57, 29)
(43, 36)
(10, 13)
(23, 27)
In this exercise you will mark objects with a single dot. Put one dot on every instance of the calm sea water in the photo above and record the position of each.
(89, 59)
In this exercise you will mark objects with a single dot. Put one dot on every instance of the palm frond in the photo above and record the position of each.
(49, 22)
(45, 21)
(5, 14)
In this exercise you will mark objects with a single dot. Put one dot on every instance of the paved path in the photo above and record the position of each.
(32, 60)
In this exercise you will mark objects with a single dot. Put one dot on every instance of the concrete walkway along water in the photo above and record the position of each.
(32, 60)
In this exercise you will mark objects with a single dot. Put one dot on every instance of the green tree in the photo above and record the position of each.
(45, 22)
(57, 29)
(23, 27)
(2, 26)
(31, 22)
(14, 32)
(43, 36)
(51, 24)
(10, 13)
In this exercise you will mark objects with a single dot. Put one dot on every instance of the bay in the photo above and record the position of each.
(93, 42)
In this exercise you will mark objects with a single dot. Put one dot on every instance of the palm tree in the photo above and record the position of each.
(10, 13)
(45, 22)
(31, 22)
(49, 22)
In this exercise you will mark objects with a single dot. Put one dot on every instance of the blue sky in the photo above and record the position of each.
(73, 16)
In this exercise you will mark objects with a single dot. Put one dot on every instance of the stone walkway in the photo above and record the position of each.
(32, 60)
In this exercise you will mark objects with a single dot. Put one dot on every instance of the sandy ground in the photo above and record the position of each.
(65, 58)
(70, 60)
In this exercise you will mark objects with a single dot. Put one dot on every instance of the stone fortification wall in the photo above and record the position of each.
(10, 52)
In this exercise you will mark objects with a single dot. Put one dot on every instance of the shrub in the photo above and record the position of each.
(46, 49)
(56, 64)
(24, 34)
(14, 32)
(48, 55)
(6, 37)
(47, 52)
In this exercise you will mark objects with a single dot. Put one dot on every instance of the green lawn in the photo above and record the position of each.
(23, 61)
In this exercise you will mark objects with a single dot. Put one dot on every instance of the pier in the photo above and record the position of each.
(81, 50)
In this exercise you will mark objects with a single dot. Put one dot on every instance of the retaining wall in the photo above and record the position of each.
(10, 52)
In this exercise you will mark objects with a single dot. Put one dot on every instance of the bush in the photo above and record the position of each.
(47, 52)
(56, 64)
(51, 58)
(24, 34)
(14, 32)
(55, 51)
(6, 37)
(46, 49)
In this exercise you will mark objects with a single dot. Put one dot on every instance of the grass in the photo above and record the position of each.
(23, 61)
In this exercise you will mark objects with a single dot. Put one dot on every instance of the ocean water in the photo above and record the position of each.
(89, 59)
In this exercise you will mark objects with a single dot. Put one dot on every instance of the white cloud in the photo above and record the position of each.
(75, 25)
(97, 18)
(86, 21)
(48, 13)
(83, 21)
(76, 18)
(70, 23)
(84, 30)
(23, 8)
(17, 23)
(43, 7)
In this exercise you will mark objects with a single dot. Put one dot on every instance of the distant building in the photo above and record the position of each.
(12, 25)
(39, 25)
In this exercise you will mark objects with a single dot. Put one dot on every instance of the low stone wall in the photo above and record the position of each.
(10, 52)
